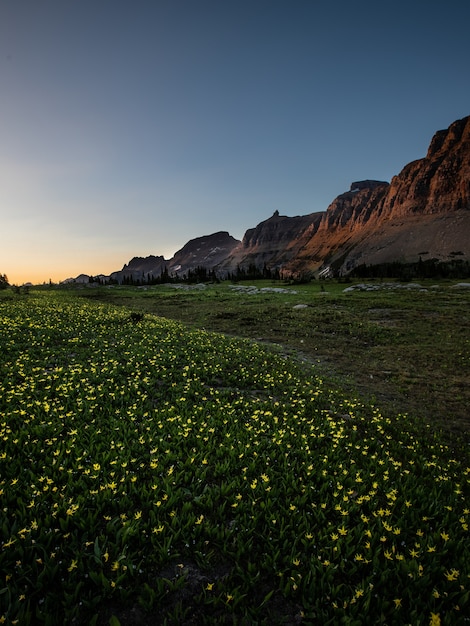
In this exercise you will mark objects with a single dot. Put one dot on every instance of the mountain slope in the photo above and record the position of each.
(423, 212)
(207, 252)
(273, 242)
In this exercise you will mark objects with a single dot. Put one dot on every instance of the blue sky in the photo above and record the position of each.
(128, 128)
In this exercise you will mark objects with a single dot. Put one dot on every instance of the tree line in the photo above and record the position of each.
(429, 268)
(199, 274)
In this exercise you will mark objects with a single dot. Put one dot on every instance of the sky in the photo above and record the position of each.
(129, 127)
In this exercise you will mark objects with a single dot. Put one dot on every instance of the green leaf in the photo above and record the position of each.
(267, 597)
(96, 549)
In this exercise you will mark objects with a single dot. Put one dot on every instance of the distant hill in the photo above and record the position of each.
(208, 252)
(424, 213)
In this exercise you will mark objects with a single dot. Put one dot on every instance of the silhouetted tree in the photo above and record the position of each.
(4, 281)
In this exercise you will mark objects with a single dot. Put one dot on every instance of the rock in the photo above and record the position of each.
(251, 289)
(272, 243)
(367, 184)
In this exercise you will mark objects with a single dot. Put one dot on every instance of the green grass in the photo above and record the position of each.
(156, 473)
(407, 350)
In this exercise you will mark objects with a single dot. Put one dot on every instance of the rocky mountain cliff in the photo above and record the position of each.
(423, 213)
(273, 243)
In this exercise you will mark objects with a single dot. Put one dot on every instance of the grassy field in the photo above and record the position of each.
(406, 349)
(153, 472)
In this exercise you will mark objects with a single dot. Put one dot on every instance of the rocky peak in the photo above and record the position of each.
(366, 184)
(272, 242)
(207, 251)
(144, 264)
(355, 206)
(438, 183)
(276, 231)
(446, 140)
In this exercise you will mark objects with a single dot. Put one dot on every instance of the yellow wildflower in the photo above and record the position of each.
(452, 575)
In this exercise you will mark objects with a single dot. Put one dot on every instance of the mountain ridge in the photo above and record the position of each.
(423, 212)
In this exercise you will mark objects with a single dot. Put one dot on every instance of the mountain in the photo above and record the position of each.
(294, 245)
(424, 213)
(203, 252)
(140, 269)
(207, 252)
(273, 243)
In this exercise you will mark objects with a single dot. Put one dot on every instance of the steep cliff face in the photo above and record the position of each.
(440, 182)
(272, 242)
(425, 211)
(338, 226)
(355, 208)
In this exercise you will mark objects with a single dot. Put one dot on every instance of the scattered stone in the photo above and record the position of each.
(384, 286)
(300, 306)
(251, 289)
(197, 287)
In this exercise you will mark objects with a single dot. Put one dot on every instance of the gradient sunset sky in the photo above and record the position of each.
(129, 127)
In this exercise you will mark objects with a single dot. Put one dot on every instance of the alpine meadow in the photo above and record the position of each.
(230, 454)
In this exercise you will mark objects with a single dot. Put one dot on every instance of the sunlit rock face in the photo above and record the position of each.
(424, 211)
(272, 243)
